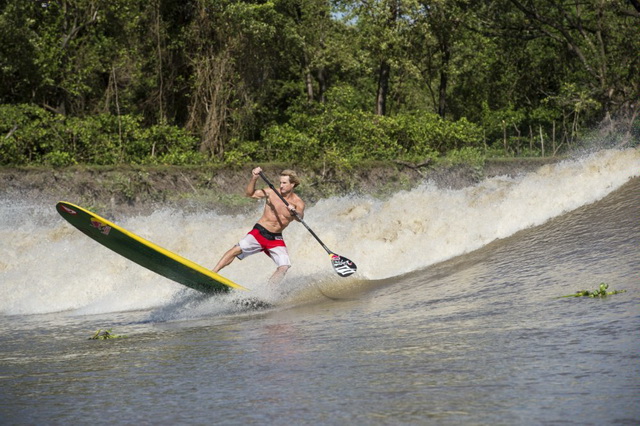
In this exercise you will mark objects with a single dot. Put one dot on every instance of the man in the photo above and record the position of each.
(266, 235)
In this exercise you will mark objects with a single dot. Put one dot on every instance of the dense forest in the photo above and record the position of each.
(312, 81)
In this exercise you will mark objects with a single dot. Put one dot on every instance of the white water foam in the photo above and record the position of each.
(418, 228)
(46, 265)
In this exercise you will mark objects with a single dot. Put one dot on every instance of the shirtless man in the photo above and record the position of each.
(266, 235)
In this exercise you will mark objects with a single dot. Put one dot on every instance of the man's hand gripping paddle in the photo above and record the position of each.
(343, 266)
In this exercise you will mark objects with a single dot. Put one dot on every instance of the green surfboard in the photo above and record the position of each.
(145, 253)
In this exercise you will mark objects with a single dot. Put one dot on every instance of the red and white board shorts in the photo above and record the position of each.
(260, 239)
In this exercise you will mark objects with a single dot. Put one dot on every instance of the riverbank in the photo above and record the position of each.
(112, 189)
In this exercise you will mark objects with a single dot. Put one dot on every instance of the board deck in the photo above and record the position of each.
(143, 252)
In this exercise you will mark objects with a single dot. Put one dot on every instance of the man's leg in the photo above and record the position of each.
(227, 258)
(278, 275)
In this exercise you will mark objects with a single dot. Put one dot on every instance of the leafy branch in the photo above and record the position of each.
(600, 292)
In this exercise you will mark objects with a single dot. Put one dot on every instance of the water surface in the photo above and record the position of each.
(453, 318)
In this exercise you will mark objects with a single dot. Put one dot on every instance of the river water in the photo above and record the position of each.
(454, 317)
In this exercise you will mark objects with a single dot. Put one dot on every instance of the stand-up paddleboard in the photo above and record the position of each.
(144, 252)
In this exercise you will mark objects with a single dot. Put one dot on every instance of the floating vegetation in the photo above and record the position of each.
(104, 335)
(600, 292)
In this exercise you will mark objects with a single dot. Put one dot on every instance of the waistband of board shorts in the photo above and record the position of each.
(266, 233)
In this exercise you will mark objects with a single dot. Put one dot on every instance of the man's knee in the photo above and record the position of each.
(284, 268)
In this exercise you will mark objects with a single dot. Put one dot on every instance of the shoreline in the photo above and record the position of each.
(132, 188)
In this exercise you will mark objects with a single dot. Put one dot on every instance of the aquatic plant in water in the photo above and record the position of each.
(104, 335)
(600, 292)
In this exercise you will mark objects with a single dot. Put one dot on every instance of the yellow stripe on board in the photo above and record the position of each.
(166, 252)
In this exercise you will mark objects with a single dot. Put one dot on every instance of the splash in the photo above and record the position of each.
(428, 225)
(48, 266)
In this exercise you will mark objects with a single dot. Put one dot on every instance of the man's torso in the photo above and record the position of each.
(276, 216)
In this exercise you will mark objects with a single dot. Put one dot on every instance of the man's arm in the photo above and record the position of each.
(251, 190)
(298, 209)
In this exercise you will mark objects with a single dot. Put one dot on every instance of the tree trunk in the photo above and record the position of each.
(445, 49)
(209, 110)
(322, 85)
(383, 88)
(309, 84)
(442, 94)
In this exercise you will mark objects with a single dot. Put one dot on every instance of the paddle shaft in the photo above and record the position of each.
(295, 213)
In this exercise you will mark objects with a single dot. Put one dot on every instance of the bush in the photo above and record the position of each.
(58, 159)
(285, 143)
(423, 134)
(28, 133)
(100, 139)
(328, 134)
(470, 156)
(34, 135)
(164, 144)
(356, 136)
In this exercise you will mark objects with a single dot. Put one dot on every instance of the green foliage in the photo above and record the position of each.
(285, 143)
(471, 156)
(181, 158)
(522, 131)
(337, 136)
(58, 159)
(430, 132)
(164, 144)
(176, 82)
(600, 292)
(34, 135)
(332, 136)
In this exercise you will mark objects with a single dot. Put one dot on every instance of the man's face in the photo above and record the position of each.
(285, 186)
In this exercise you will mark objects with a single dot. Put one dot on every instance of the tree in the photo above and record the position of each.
(598, 35)
(443, 20)
(382, 28)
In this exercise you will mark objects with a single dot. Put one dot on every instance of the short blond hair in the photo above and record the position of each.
(293, 176)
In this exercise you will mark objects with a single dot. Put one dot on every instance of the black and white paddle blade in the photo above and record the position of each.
(343, 266)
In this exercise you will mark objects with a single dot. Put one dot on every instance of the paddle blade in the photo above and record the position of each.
(343, 266)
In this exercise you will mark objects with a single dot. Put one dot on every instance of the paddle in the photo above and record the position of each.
(343, 266)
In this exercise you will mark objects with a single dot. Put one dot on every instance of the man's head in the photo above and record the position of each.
(293, 177)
